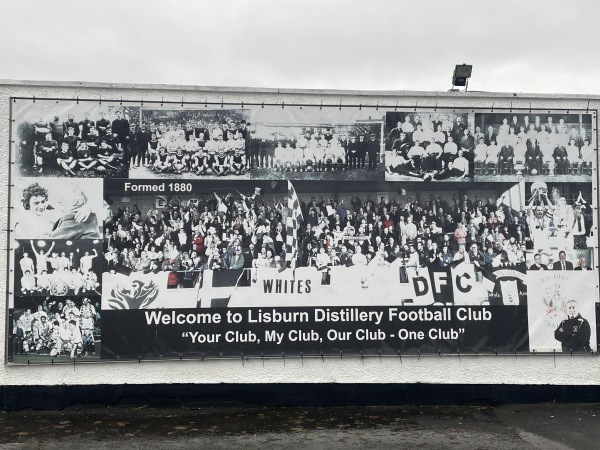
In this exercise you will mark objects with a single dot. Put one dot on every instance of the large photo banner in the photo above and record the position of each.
(151, 231)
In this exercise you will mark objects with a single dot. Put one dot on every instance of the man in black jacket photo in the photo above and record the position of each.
(574, 332)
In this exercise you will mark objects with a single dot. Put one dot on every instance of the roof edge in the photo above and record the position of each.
(263, 90)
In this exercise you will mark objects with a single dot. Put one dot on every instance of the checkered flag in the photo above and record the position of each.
(294, 217)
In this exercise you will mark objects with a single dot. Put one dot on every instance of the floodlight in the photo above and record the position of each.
(461, 75)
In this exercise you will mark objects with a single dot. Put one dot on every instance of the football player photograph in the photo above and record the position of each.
(59, 212)
(308, 149)
(430, 146)
(552, 146)
(40, 139)
(62, 267)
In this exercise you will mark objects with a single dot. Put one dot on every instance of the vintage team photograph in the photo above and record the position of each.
(429, 146)
(54, 328)
(301, 243)
(561, 312)
(58, 268)
(551, 147)
(312, 143)
(560, 217)
(192, 143)
(44, 208)
(73, 139)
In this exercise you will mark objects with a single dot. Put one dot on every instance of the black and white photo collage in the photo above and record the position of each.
(549, 159)
(111, 140)
(60, 153)
(123, 206)
(56, 263)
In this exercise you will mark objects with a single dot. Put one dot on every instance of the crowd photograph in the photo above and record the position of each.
(354, 224)
(58, 268)
(55, 328)
(534, 146)
(429, 146)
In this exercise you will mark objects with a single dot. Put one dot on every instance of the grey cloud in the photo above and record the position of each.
(388, 45)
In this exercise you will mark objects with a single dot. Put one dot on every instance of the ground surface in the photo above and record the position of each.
(549, 426)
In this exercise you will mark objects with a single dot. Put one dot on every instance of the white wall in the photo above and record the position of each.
(445, 370)
(528, 369)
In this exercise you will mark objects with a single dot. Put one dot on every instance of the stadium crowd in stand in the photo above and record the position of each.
(189, 236)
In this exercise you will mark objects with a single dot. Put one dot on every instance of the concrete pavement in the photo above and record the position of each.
(543, 426)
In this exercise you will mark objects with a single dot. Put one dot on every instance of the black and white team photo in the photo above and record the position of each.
(429, 146)
(54, 139)
(315, 144)
(58, 267)
(55, 328)
(557, 147)
(560, 216)
(191, 143)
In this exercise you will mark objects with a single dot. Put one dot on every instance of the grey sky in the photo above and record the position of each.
(544, 46)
